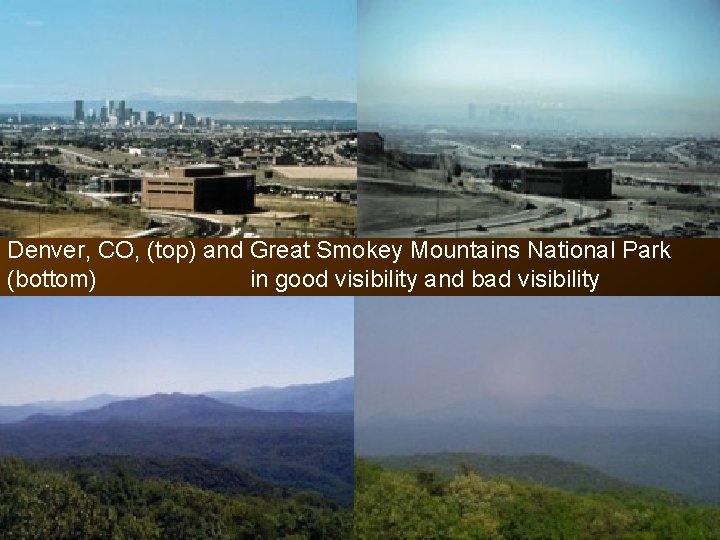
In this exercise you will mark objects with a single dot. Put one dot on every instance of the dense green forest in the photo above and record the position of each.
(177, 470)
(423, 504)
(536, 469)
(314, 458)
(87, 502)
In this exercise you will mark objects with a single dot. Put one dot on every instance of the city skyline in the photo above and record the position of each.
(634, 66)
(205, 50)
(141, 346)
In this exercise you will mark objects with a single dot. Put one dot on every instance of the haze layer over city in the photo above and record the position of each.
(622, 67)
(539, 119)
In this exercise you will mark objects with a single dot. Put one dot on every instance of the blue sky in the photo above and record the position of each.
(68, 348)
(215, 49)
(610, 352)
(553, 53)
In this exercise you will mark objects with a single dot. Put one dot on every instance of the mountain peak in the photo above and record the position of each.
(160, 407)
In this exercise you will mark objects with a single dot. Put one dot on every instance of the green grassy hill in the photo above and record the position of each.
(422, 504)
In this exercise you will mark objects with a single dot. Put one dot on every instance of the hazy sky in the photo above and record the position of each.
(415, 354)
(552, 53)
(225, 49)
(68, 348)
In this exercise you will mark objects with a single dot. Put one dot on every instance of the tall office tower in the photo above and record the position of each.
(177, 118)
(121, 112)
(110, 106)
(91, 115)
(147, 118)
(129, 114)
(79, 113)
(189, 120)
(104, 114)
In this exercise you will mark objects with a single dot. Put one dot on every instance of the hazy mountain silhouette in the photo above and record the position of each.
(185, 410)
(331, 396)
(675, 450)
(16, 413)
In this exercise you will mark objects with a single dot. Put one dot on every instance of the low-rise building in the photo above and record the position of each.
(571, 179)
(200, 188)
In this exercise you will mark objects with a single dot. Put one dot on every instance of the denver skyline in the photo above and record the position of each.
(651, 64)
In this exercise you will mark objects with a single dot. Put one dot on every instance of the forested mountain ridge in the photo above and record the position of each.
(416, 505)
(197, 472)
(41, 504)
(682, 459)
(544, 470)
(307, 451)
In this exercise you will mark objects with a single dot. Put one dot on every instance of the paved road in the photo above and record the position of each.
(71, 155)
(548, 211)
(176, 222)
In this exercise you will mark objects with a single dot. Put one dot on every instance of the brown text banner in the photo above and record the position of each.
(365, 266)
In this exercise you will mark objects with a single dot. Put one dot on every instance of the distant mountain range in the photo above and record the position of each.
(185, 410)
(301, 450)
(16, 413)
(301, 108)
(299, 437)
(331, 396)
(554, 411)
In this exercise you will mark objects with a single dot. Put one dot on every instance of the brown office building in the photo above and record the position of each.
(567, 178)
(200, 188)
(571, 179)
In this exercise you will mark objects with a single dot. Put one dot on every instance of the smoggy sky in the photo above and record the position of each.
(548, 53)
(417, 354)
(70, 348)
(209, 49)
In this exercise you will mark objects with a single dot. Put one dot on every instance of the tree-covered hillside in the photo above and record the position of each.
(196, 472)
(548, 471)
(422, 504)
(307, 451)
(42, 504)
